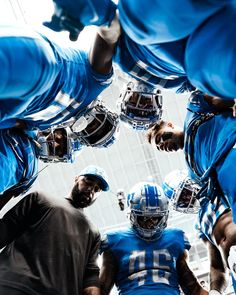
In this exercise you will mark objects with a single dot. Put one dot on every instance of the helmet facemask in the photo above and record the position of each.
(185, 200)
(140, 106)
(182, 191)
(149, 226)
(57, 145)
(100, 127)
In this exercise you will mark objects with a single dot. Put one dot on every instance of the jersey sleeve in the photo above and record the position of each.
(182, 242)
(109, 240)
(91, 276)
(17, 219)
(8, 123)
(187, 244)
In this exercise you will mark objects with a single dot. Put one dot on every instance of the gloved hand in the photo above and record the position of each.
(74, 15)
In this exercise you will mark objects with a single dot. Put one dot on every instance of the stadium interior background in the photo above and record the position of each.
(129, 160)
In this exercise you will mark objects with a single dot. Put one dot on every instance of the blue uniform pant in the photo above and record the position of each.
(28, 68)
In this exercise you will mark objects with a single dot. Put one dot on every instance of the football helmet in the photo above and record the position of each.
(148, 210)
(140, 106)
(182, 191)
(97, 127)
(57, 145)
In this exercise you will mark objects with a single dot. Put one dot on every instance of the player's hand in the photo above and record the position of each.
(74, 15)
(152, 133)
(62, 21)
(111, 33)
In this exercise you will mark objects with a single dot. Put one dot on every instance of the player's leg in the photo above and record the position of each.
(164, 21)
(226, 172)
(211, 53)
(224, 233)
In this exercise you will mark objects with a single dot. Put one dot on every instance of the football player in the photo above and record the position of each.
(147, 258)
(174, 39)
(208, 140)
(46, 85)
(20, 149)
(215, 224)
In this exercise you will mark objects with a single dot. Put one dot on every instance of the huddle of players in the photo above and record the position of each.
(76, 121)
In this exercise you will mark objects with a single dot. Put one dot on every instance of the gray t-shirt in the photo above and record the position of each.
(51, 247)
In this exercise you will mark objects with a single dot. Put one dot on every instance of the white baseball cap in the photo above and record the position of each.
(97, 172)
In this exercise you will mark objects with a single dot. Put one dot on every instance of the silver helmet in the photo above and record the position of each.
(97, 127)
(148, 210)
(140, 106)
(57, 145)
(182, 191)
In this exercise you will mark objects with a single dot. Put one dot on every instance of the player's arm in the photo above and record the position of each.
(108, 272)
(91, 273)
(221, 104)
(73, 16)
(187, 279)
(92, 291)
(102, 50)
(218, 273)
(18, 219)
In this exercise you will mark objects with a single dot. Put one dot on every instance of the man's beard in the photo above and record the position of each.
(80, 199)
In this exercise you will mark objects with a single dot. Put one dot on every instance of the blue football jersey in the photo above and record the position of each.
(160, 65)
(72, 83)
(208, 215)
(18, 161)
(146, 267)
(164, 21)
